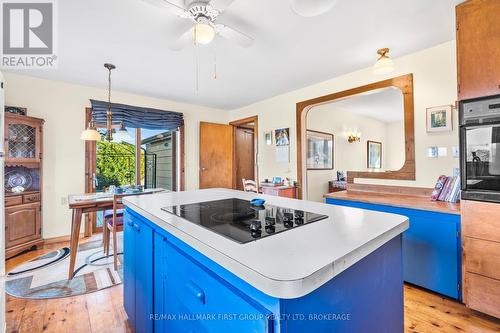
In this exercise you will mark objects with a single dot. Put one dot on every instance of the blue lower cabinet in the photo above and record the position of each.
(432, 252)
(171, 287)
(138, 273)
(195, 299)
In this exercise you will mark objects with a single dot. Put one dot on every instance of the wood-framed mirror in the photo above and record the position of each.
(402, 85)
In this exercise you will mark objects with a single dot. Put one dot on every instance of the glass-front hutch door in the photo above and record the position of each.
(22, 141)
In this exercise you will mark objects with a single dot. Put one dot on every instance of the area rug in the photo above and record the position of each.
(46, 276)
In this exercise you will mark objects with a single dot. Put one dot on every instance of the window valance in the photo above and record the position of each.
(137, 117)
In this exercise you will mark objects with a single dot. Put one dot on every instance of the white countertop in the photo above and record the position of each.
(290, 264)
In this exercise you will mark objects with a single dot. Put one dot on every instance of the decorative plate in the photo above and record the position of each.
(17, 178)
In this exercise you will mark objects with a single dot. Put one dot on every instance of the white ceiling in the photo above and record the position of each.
(385, 105)
(290, 51)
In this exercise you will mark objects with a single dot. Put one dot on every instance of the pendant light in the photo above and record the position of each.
(91, 134)
(384, 63)
(122, 134)
(109, 113)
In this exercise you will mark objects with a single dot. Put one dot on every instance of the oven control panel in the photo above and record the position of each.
(481, 110)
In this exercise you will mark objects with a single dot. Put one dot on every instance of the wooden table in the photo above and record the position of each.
(89, 203)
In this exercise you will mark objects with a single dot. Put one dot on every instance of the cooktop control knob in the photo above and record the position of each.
(299, 220)
(270, 229)
(270, 220)
(288, 223)
(287, 217)
(255, 225)
(299, 214)
(256, 233)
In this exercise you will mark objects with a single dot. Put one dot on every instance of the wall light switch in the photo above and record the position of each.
(455, 152)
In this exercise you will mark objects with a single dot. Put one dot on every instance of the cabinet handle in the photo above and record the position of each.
(137, 228)
(196, 291)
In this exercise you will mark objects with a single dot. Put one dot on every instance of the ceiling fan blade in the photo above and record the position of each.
(221, 5)
(234, 35)
(173, 7)
(183, 41)
(310, 8)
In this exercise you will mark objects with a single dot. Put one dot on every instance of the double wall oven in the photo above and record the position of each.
(480, 148)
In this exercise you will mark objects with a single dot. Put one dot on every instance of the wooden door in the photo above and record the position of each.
(478, 48)
(22, 224)
(216, 155)
(244, 155)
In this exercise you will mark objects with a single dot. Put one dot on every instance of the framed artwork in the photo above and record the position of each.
(282, 137)
(374, 154)
(319, 150)
(439, 118)
(268, 138)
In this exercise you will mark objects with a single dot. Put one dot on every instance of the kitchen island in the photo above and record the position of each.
(332, 269)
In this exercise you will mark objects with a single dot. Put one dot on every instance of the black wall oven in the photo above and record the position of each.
(480, 148)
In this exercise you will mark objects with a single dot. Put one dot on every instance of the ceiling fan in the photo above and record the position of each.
(203, 14)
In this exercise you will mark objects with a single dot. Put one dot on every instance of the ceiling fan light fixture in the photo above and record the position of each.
(311, 8)
(384, 63)
(203, 33)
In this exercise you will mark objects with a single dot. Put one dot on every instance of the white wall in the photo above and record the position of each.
(62, 105)
(435, 82)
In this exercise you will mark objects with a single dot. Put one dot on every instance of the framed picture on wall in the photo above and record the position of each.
(374, 154)
(319, 150)
(282, 136)
(439, 118)
(268, 138)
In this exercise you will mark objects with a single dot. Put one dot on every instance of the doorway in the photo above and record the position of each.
(228, 150)
(245, 147)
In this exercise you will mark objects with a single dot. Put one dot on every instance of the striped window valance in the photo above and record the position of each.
(137, 117)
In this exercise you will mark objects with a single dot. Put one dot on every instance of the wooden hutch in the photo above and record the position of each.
(23, 183)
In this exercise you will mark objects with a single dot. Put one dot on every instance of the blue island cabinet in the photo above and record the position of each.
(138, 273)
(432, 250)
(171, 287)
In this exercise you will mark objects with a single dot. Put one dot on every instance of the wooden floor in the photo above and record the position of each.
(102, 311)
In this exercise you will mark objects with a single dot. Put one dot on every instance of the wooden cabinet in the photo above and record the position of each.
(22, 224)
(481, 256)
(23, 183)
(23, 139)
(280, 191)
(478, 48)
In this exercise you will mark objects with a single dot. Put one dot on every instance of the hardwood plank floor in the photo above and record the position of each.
(103, 312)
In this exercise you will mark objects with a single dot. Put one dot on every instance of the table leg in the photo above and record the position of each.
(75, 235)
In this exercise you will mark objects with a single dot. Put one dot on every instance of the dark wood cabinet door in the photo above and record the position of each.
(22, 224)
(478, 48)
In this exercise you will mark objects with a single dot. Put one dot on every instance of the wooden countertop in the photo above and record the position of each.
(397, 200)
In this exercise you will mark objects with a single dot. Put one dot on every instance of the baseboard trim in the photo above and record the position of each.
(60, 239)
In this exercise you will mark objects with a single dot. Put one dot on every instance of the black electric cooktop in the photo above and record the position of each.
(239, 221)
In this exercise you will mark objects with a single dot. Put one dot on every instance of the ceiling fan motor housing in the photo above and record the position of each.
(201, 8)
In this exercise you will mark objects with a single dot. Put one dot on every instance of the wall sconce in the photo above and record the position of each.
(353, 137)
